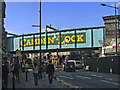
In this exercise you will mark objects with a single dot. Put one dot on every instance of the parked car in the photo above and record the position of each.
(77, 63)
(69, 66)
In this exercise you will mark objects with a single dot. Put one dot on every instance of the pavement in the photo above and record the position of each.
(68, 81)
(30, 83)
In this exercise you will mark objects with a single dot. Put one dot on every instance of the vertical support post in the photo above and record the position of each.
(23, 42)
(116, 27)
(33, 42)
(91, 37)
(26, 76)
(60, 39)
(46, 37)
(75, 39)
(40, 32)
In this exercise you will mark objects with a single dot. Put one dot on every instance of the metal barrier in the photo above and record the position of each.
(104, 64)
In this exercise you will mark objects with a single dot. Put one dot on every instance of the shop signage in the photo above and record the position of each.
(80, 38)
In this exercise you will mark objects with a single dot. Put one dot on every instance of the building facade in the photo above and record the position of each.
(4, 34)
(110, 31)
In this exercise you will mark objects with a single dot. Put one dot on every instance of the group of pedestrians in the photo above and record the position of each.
(38, 71)
(5, 73)
(8, 68)
(42, 70)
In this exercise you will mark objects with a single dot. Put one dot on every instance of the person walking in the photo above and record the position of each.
(50, 71)
(43, 70)
(35, 73)
(15, 71)
(5, 75)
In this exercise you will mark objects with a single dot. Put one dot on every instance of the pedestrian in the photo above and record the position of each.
(50, 71)
(87, 68)
(35, 73)
(5, 75)
(43, 70)
(15, 71)
(23, 67)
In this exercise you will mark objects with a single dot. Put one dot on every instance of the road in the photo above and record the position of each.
(83, 79)
(67, 80)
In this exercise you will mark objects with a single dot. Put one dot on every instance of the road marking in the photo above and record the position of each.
(87, 77)
(83, 77)
(108, 78)
(66, 77)
(95, 75)
(110, 82)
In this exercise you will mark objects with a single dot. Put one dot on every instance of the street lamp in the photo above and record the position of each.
(40, 31)
(115, 22)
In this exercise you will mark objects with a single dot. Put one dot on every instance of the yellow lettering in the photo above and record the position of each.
(59, 37)
(31, 41)
(72, 38)
(80, 38)
(49, 39)
(24, 40)
(28, 42)
(43, 40)
(36, 41)
(67, 37)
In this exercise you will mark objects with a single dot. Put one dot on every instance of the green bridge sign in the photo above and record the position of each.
(62, 39)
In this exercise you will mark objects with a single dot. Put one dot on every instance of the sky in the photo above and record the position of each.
(20, 16)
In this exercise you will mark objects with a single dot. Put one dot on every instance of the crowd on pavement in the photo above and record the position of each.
(39, 71)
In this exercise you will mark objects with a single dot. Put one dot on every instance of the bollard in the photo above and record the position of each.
(88, 69)
(26, 77)
(13, 82)
(18, 78)
(110, 71)
(97, 69)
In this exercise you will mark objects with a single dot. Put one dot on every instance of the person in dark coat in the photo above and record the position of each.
(43, 72)
(35, 73)
(50, 71)
(5, 74)
(15, 71)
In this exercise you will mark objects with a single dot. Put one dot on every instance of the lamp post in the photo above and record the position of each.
(40, 32)
(115, 22)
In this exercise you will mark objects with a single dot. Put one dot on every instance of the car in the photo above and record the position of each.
(77, 63)
(69, 66)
